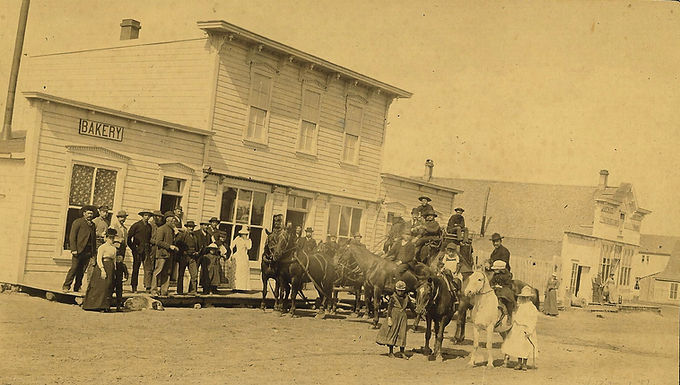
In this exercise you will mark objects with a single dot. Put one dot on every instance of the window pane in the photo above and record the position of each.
(345, 216)
(104, 187)
(261, 87)
(81, 185)
(356, 220)
(349, 154)
(302, 143)
(353, 120)
(169, 202)
(71, 215)
(243, 206)
(227, 206)
(172, 184)
(310, 105)
(307, 133)
(333, 214)
(259, 200)
(256, 123)
(256, 237)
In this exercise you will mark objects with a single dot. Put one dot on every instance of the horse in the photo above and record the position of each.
(435, 298)
(321, 272)
(486, 314)
(349, 275)
(378, 277)
(269, 269)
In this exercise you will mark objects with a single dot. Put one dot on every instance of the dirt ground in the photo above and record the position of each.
(45, 342)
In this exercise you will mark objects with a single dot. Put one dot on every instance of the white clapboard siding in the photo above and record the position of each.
(144, 144)
(278, 162)
(168, 81)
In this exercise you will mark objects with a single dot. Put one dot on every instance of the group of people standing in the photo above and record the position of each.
(161, 244)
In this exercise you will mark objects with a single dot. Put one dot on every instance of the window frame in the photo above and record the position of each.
(265, 221)
(355, 160)
(184, 181)
(314, 148)
(673, 294)
(341, 207)
(265, 135)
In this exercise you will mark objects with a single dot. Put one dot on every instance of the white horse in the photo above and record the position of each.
(485, 313)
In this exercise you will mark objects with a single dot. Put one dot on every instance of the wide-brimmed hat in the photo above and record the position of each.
(400, 285)
(457, 209)
(145, 212)
(121, 213)
(214, 219)
(243, 231)
(496, 237)
(451, 246)
(527, 291)
(111, 232)
(429, 212)
(190, 224)
(309, 230)
(425, 197)
(212, 246)
(157, 213)
(498, 265)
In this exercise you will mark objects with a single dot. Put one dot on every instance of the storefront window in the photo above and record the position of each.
(90, 185)
(239, 208)
(343, 222)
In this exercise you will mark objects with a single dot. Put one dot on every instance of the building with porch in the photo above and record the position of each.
(232, 125)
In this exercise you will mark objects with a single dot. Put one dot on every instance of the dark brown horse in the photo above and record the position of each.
(436, 299)
(269, 268)
(320, 271)
(348, 275)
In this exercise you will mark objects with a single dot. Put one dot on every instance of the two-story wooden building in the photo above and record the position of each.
(232, 125)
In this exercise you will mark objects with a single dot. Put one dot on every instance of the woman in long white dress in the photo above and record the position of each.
(240, 247)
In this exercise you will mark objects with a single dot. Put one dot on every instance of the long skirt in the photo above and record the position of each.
(212, 276)
(517, 344)
(550, 304)
(242, 271)
(98, 295)
(396, 334)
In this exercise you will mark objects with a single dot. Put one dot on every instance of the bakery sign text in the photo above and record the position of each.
(100, 130)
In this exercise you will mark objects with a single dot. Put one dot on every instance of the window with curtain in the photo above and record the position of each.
(239, 208)
(260, 96)
(353, 122)
(343, 222)
(309, 126)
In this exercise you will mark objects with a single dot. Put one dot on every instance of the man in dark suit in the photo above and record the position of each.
(499, 253)
(165, 247)
(138, 239)
(456, 226)
(203, 239)
(82, 240)
(188, 258)
(308, 244)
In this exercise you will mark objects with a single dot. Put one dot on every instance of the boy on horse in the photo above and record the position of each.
(501, 282)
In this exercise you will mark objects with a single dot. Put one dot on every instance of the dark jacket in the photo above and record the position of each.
(202, 240)
(405, 253)
(165, 238)
(502, 254)
(429, 231)
(456, 220)
(187, 242)
(82, 237)
(423, 209)
(307, 244)
(139, 237)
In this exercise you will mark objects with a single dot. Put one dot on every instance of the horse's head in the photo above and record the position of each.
(276, 245)
(477, 282)
(424, 295)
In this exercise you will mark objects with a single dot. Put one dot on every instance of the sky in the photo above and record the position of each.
(534, 91)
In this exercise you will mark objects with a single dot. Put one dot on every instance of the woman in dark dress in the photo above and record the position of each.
(550, 303)
(98, 295)
(393, 332)
(212, 277)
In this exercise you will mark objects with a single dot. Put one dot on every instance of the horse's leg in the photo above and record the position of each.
(277, 294)
(489, 345)
(293, 295)
(264, 291)
(428, 333)
(439, 330)
(320, 313)
(368, 301)
(475, 339)
(377, 296)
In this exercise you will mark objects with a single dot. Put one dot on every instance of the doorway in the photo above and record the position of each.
(296, 217)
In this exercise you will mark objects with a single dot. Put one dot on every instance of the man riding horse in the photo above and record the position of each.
(501, 282)
(404, 253)
(429, 237)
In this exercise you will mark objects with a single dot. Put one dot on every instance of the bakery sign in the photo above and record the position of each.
(100, 130)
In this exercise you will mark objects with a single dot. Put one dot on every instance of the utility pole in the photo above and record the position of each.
(14, 74)
(486, 203)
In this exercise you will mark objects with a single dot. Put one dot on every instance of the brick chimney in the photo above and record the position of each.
(129, 29)
(429, 165)
(604, 174)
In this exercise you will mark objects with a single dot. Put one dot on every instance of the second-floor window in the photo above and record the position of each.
(674, 291)
(258, 118)
(353, 121)
(309, 121)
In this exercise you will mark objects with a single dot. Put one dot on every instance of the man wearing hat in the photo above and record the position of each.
(501, 281)
(307, 244)
(424, 207)
(356, 239)
(450, 260)
(164, 240)
(456, 225)
(203, 239)
(499, 253)
(101, 223)
(394, 235)
(157, 220)
(429, 231)
(138, 239)
(214, 226)
(188, 256)
(81, 241)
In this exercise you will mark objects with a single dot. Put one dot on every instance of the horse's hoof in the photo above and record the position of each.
(439, 358)
(490, 365)
(320, 316)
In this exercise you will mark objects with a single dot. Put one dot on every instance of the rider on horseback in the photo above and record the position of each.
(501, 282)
(404, 253)
(429, 234)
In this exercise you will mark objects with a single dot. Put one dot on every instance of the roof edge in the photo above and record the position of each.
(114, 112)
(420, 182)
(221, 26)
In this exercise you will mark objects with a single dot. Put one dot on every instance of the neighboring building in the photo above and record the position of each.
(662, 287)
(233, 125)
(580, 230)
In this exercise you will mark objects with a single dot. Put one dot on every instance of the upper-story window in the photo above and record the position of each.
(258, 116)
(353, 120)
(309, 121)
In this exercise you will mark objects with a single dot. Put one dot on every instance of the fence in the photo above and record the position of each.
(532, 271)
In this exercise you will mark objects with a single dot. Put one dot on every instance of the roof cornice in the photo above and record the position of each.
(221, 26)
(420, 182)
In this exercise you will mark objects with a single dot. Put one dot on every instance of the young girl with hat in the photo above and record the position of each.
(393, 332)
(98, 295)
(521, 342)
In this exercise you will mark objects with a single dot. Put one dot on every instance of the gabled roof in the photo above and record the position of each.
(524, 210)
(672, 270)
(657, 244)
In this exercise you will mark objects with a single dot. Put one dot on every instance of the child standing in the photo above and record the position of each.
(521, 342)
(393, 332)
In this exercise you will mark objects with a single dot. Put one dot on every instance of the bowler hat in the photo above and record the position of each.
(309, 230)
(425, 197)
(190, 224)
(526, 292)
(459, 209)
(145, 212)
(214, 219)
(451, 246)
(401, 285)
(121, 213)
(111, 232)
(157, 213)
(498, 265)
(496, 237)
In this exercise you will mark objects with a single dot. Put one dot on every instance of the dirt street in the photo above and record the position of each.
(44, 342)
